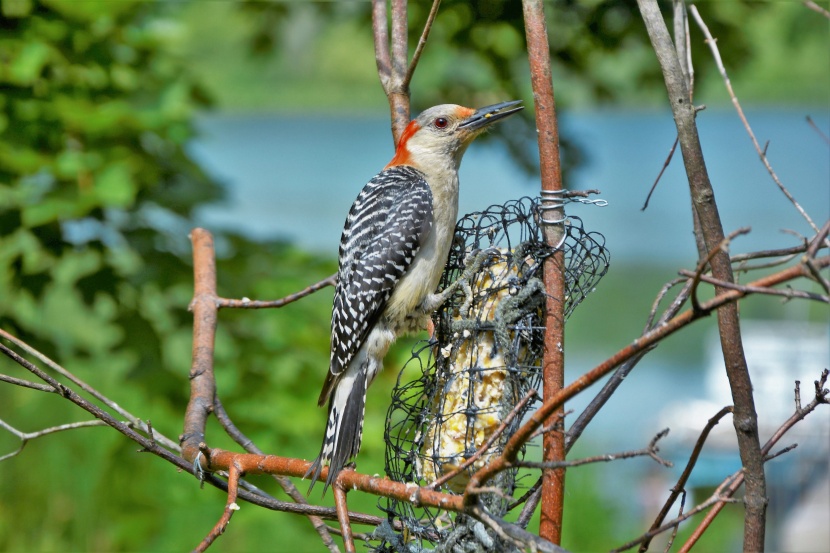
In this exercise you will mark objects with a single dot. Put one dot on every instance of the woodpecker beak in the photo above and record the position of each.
(485, 116)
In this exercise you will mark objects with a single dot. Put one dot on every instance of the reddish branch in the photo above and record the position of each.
(343, 517)
(230, 508)
(553, 362)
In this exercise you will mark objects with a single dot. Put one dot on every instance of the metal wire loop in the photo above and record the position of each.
(598, 203)
(551, 200)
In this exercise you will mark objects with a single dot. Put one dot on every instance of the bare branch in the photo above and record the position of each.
(25, 437)
(735, 481)
(723, 247)
(788, 293)
(650, 451)
(676, 528)
(711, 230)
(136, 422)
(380, 30)
(400, 40)
(816, 8)
(27, 384)
(679, 487)
(343, 517)
(713, 46)
(422, 42)
(246, 303)
(780, 452)
(818, 130)
(715, 499)
(660, 174)
(230, 508)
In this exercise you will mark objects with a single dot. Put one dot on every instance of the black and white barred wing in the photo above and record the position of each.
(386, 227)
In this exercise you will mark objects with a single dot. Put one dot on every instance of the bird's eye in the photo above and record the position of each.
(441, 123)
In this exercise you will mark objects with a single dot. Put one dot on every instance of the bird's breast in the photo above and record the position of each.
(424, 273)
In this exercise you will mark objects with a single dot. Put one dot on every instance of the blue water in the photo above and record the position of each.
(295, 177)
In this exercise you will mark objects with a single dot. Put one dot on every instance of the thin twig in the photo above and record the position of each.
(660, 174)
(25, 437)
(780, 452)
(713, 46)
(787, 253)
(816, 8)
(650, 451)
(818, 130)
(531, 496)
(230, 508)
(679, 487)
(722, 247)
(134, 421)
(821, 394)
(788, 293)
(717, 498)
(422, 42)
(676, 528)
(27, 384)
(343, 517)
(246, 303)
(662, 294)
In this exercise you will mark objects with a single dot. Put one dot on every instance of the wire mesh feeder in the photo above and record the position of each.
(486, 357)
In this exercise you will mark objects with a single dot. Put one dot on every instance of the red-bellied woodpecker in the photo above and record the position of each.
(392, 253)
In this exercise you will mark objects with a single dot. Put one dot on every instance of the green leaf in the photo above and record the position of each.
(16, 8)
(114, 186)
(29, 63)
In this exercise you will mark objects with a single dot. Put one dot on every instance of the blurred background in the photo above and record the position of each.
(125, 124)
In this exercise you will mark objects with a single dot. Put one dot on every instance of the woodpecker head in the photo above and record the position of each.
(439, 136)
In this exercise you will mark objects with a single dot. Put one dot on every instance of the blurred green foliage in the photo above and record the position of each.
(319, 56)
(97, 195)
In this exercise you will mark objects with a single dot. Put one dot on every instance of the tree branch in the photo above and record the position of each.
(762, 153)
(679, 487)
(821, 397)
(553, 362)
(246, 303)
(745, 418)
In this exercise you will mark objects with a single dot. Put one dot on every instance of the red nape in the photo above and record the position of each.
(402, 156)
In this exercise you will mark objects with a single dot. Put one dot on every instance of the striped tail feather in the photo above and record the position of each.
(344, 430)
